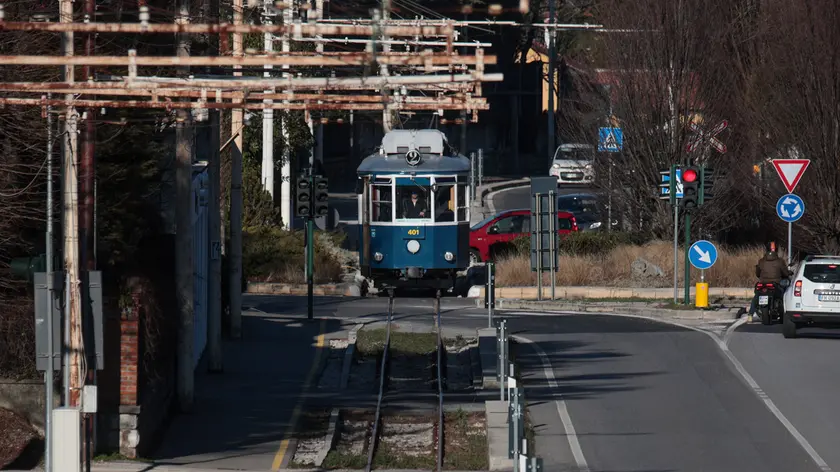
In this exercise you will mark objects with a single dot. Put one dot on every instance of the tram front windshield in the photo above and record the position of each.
(413, 201)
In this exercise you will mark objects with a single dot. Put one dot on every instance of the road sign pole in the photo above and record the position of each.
(674, 202)
(310, 256)
(687, 247)
(790, 245)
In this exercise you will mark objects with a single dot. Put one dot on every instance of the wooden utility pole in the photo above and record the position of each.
(235, 255)
(73, 311)
(184, 234)
(214, 289)
(87, 177)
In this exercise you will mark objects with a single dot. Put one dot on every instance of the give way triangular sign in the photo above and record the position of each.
(790, 171)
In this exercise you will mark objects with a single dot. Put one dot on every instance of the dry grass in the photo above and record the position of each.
(734, 268)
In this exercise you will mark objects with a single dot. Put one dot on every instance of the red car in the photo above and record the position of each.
(495, 233)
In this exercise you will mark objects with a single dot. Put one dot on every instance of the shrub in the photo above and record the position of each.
(271, 254)
(734, 268)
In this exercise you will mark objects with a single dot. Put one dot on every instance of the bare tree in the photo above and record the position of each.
(796, 104)
(669, 69)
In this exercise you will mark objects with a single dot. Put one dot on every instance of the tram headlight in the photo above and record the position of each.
(449, 256)
(413, 246)
(378, 257)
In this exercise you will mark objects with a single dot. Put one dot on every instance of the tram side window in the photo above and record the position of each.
(462, 202)
(383, 197)
(413, 202)
(445, 203)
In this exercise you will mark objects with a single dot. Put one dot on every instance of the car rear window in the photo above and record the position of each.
(822, 273)
(564, 223)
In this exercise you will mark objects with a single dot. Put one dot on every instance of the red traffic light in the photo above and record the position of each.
(689, 175)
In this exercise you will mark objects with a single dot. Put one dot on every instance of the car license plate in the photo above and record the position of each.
(829, 298)
(763, 300)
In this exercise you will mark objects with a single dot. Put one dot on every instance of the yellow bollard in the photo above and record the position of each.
(701, 299)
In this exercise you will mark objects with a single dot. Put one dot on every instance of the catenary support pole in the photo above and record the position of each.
(184, 236)
(268, 117)
(551, 60)
(214, 305)
(286, 165)
(235, 263)
(49, 376)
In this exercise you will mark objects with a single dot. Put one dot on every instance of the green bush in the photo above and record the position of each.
(585, 243)
(270, 254)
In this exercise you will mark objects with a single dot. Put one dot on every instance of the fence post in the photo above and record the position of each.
(480, 166)
(472, 175)
(490, 293)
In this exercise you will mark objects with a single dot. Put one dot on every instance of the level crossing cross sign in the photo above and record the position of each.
(790, 171)
(711, 136)
(610, 139)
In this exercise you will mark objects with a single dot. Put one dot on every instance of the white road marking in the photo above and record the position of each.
(722, 344)
(571, 435)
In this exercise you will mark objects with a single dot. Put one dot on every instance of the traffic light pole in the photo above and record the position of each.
(310, 257)
(687, 246)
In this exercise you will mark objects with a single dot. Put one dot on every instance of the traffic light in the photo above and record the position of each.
(303, 197)
(707, 183)
(691, 187)
(322, 196)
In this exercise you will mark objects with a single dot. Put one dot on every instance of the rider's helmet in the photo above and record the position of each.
(770, 247)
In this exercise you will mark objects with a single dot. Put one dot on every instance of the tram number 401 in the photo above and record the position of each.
(413, 232)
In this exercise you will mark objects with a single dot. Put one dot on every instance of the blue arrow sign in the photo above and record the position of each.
(790, 208)
(610, 139)
(702, 254)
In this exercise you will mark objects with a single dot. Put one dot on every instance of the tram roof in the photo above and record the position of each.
(429, 164)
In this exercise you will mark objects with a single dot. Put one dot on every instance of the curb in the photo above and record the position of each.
(648, 310)
(620, 293)
(346, 289)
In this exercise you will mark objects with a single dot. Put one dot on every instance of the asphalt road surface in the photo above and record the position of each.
(606, 393)
(800, 376)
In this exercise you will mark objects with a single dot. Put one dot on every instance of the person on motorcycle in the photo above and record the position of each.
(770, 269)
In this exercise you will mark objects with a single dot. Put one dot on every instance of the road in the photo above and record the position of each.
(607, 393)
(800, 376)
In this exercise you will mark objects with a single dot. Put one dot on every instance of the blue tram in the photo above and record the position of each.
(414, 211)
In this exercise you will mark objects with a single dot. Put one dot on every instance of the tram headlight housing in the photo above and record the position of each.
(378, 257)
(449, 256)
(413, 246)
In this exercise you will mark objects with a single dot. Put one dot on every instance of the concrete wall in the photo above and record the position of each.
(27, 398)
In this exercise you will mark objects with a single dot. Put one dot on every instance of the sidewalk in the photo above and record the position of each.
(607, 293)
(242, 417)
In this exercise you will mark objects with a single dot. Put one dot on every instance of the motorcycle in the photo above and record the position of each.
(770, 304)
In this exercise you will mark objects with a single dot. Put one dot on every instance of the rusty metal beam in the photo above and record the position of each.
(347, 59)
(474, 104)
(213, 95)
(413, 82)
(305, 29)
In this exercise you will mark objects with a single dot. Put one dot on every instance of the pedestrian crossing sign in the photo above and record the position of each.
(610, 140)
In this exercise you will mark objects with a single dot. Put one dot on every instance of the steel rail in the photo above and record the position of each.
(383, 374)
(440, 348)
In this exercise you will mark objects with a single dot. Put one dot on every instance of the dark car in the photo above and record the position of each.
(587, 210)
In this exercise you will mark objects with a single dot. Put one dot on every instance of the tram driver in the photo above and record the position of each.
(415, 207)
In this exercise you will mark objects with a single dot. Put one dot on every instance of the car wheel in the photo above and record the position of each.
(789, 327)
(765, 316)
(475, 257)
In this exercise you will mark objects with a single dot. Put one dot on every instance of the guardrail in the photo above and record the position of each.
(511, 390)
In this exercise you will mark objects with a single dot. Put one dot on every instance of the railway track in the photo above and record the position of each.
(383, 384)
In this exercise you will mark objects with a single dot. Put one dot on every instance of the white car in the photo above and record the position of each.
(813, 297)
(573, 164)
